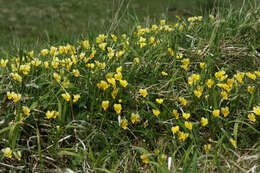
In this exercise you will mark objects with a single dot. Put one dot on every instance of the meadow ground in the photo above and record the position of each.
(141, 86)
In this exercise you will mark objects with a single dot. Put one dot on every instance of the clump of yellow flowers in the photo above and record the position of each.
(14, 96)
(112, 75)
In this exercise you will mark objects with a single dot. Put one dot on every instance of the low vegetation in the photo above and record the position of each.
(170, 96)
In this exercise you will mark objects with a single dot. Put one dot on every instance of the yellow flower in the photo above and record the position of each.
(66, 96)
(159, 101)
(102, 66)
(76, 97)
(250, 89)
(4, 62)
(16, 77)
(112, 81)
(223, 77)
(224, 86)
(251, 75)
(209, 83)
(53, 51)
(186, 115)
(183, 101)
(54, 64)
(9, 95)
(91, 56)
(224, 95)
(104, 85)
(62, 49)
(190, 80)
(100, 38)
(154, 27)
(105, 104)
(162, 22)
(124, 83)
(124, 124)
(256, 110)
(175, 129)
(239, 77)
(179, 56)
(175, 113)
(204, 121)
(156, 112)
(117, 108)
(233, 142)
(210, 140)
(90, 65)
(197, 93)
(188, 125)
(195, 77)
(118, 76)
(57, 77)
(216, 113)
(36, 62)
(220, 74)
(123, 36)
(82, 55)
(102, 46)
(202, 65)
(136, 61)
(186, 62)
(114, 93)
(75, 72)
(143, 92)
(49, 114)
(182, 136)
(230, 83)
(185, 67)
(142, 41)
(26, 110)
(111, 55)
(207, 148)
(120, 53)
(134, 117)
(7, 152)
(164, 73)
(16, 97)
(225, 111)
(114, 37)
(171, 51)
(44, 52)
(52, 114)
(144, 158)
(25, 68)
(251, 117)
(119, 69)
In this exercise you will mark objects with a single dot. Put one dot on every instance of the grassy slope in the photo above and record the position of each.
(232, 43)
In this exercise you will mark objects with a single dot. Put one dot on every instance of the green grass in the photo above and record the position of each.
(85, 137)
(36, 23)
